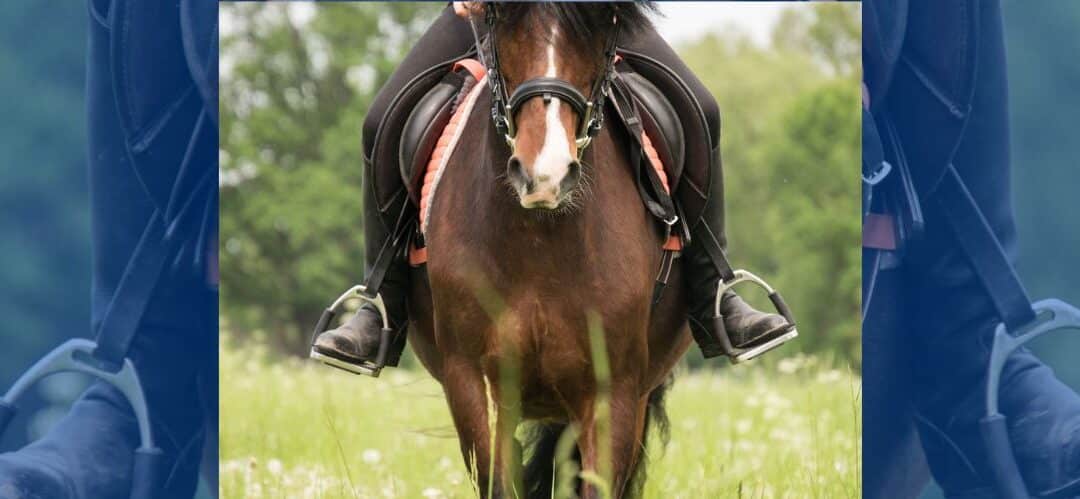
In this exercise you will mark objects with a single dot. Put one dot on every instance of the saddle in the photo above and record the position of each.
(638, 104)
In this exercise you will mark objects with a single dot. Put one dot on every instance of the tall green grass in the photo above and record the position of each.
(295, 429)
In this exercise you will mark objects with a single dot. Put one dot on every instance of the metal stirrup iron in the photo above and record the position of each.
(106, 357)
(737, 354)
(1052, 315)
(76, 355)
(368, 368)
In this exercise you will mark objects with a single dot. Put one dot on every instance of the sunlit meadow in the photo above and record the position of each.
(298, 429)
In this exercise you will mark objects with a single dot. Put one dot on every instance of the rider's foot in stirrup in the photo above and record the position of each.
(1044, 430)
(356, 342)
(747, 327)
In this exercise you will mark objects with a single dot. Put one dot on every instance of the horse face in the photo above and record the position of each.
(543, 168)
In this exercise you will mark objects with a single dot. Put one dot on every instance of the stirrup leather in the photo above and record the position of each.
(367, 368)
(734, 353)
(1051, 315)
(76, 355)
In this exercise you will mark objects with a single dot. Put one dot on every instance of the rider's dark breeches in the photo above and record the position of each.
(931, 316)
(951, 311)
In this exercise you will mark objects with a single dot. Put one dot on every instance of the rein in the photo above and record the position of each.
(503, 108)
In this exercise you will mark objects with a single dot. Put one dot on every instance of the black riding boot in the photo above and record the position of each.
(953, 330)
(354, 346)
(749, 332)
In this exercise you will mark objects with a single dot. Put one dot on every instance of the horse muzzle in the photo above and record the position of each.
(549, 190)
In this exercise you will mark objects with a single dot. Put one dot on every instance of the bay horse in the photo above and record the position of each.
(528, 248)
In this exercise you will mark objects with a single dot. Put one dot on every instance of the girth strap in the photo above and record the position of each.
(984, 251)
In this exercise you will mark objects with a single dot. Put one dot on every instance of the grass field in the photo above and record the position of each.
(297, 429)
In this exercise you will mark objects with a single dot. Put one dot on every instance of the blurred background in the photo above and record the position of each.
(44, 211)
(1044, 73)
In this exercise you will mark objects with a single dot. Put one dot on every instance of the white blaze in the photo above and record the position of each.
(552, 162)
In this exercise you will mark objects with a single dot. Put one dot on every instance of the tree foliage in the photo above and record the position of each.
(296, 84)
(791, 143)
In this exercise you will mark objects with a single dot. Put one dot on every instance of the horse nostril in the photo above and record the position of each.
(573, 175)
(515, 171)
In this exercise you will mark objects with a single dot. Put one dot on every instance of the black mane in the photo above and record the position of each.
(585, 24)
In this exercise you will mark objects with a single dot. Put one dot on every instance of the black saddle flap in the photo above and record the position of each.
(424, 127)
(657, 200)
(660, 121)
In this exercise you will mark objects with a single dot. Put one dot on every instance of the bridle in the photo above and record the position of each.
(503, 108)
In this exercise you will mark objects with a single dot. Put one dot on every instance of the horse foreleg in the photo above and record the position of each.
(485, 434)
(619, 436)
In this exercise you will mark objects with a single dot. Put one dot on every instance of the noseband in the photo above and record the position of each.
(503, 108)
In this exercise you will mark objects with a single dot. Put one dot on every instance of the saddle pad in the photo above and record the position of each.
(444, 148)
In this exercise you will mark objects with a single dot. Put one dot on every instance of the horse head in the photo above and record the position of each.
(552, 64)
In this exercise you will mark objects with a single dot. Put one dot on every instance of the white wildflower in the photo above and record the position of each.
(371, 456)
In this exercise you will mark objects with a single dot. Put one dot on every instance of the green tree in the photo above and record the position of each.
(790, 147)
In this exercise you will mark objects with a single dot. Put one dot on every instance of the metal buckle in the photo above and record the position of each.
(366, 368)
(76, 355)
(878, 175)
(1052, 315)
(738, 355)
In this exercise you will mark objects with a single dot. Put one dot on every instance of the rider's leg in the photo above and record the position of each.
(745, 326)
(89, 453)
(357, 341)
(954, 318)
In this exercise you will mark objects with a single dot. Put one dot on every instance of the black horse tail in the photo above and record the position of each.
(542, 440)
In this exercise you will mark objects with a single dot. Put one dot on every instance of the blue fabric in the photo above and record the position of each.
(152, 148)
(930, 319)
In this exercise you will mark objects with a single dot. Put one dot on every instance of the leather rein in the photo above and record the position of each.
(503, 107)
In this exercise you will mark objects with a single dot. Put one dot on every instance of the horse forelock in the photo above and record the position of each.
(585, 24)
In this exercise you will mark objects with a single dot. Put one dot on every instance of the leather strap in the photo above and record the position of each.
(390, 249)
(984, 251)
(708, 241)
(473, 66)
(132, 295)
